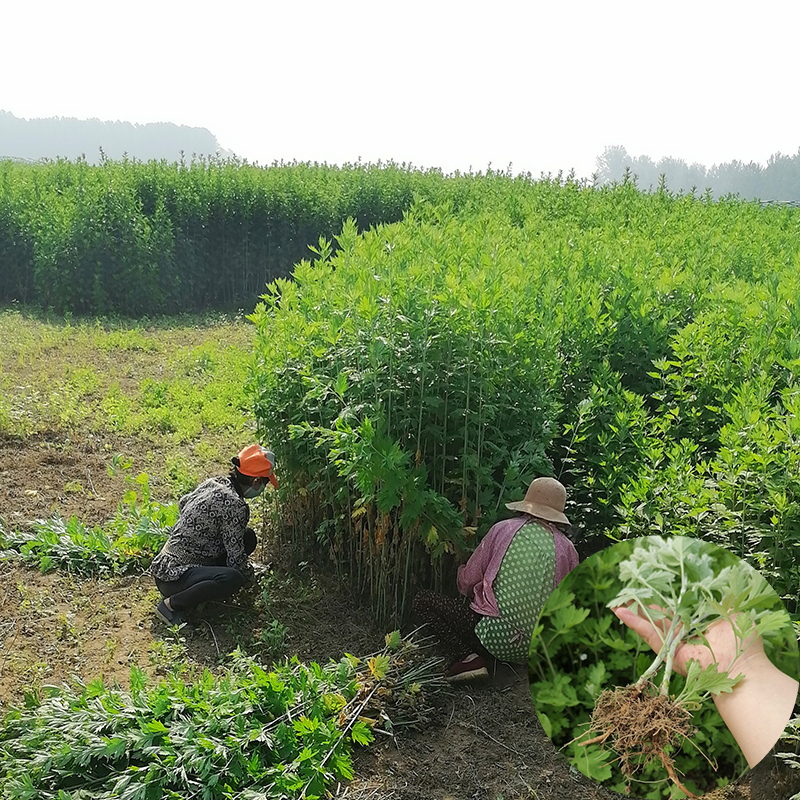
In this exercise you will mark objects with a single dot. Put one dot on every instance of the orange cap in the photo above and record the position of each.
(257, 462)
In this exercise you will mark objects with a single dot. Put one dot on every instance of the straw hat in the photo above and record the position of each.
(545, 498)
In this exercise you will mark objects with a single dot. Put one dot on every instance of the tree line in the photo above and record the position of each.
(778, 181)
(95, 140)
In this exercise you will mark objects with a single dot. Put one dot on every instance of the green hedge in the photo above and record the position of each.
(135, 239)
(644, 348)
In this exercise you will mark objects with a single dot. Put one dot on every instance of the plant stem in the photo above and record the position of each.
(668, 649)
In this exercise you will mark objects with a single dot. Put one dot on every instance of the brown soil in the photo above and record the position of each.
(45, 474)
(486, 743)
(57, 627)
(483, 742)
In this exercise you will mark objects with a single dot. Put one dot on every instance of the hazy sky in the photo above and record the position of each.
(543, 85)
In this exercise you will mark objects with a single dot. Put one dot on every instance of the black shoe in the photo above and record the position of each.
(167, 615)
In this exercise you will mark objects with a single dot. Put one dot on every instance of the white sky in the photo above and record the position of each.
(454, 84)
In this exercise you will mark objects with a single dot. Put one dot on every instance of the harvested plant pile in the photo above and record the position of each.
(248, 733)
(128, 541)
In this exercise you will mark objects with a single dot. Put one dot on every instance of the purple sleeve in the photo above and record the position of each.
(566, 557)
(471, 573)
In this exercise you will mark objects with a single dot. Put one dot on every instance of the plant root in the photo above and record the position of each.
(642, 726)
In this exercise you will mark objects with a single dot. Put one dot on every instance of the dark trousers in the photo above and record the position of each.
(451, 620)
(202, 584)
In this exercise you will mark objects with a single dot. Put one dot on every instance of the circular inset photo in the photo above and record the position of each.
(664, 667)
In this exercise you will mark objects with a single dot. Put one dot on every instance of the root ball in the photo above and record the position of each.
(641, 726)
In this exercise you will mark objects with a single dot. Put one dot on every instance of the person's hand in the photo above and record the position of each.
(757, 710)
(721, 648)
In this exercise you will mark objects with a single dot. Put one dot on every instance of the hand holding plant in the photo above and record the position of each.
(720, 645)
(757, 709)
(705, 620)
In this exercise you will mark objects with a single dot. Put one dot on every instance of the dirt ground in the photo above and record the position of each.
(54, 472)
(484, 742)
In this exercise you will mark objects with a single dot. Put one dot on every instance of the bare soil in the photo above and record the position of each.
(53, 473)
(484, 742)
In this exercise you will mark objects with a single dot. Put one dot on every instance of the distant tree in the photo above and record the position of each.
(64, 137)
(782, 176)
(611, 165)
(779, 180)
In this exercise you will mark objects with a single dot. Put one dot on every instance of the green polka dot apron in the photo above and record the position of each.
(523, 584)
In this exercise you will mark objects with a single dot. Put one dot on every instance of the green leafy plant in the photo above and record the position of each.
(789, 743)
(681, 580)
(680, 590)
(273, 638)
(249, 733)
(71, 545)
(128, 541)
(789, 752)
(580, 655)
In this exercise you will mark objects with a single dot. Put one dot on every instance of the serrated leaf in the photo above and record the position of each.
(593, 762)
(361, 734)
(393, 640)
(596, 676)
(569, 617)
(379, 666)
(557, 694)
(701, 683)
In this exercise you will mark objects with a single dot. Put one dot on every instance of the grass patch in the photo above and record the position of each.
(178, 378)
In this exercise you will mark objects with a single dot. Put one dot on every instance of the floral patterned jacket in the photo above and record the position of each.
(209, 532)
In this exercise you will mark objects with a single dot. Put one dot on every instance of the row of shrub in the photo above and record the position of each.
(138, 238)
(643, 348)
(416, 375)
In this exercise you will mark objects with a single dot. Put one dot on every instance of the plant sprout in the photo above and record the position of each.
(680, 586)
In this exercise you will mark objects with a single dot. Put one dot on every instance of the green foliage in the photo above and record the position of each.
(128, 541)
(273, 638)
(742, 495)
(249, 733)
(679, 580)
(643, 348)
(394, 378)
(580, 648)
(136, 238)
(789, 748)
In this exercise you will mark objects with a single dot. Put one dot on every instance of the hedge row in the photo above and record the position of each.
(644, 348)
